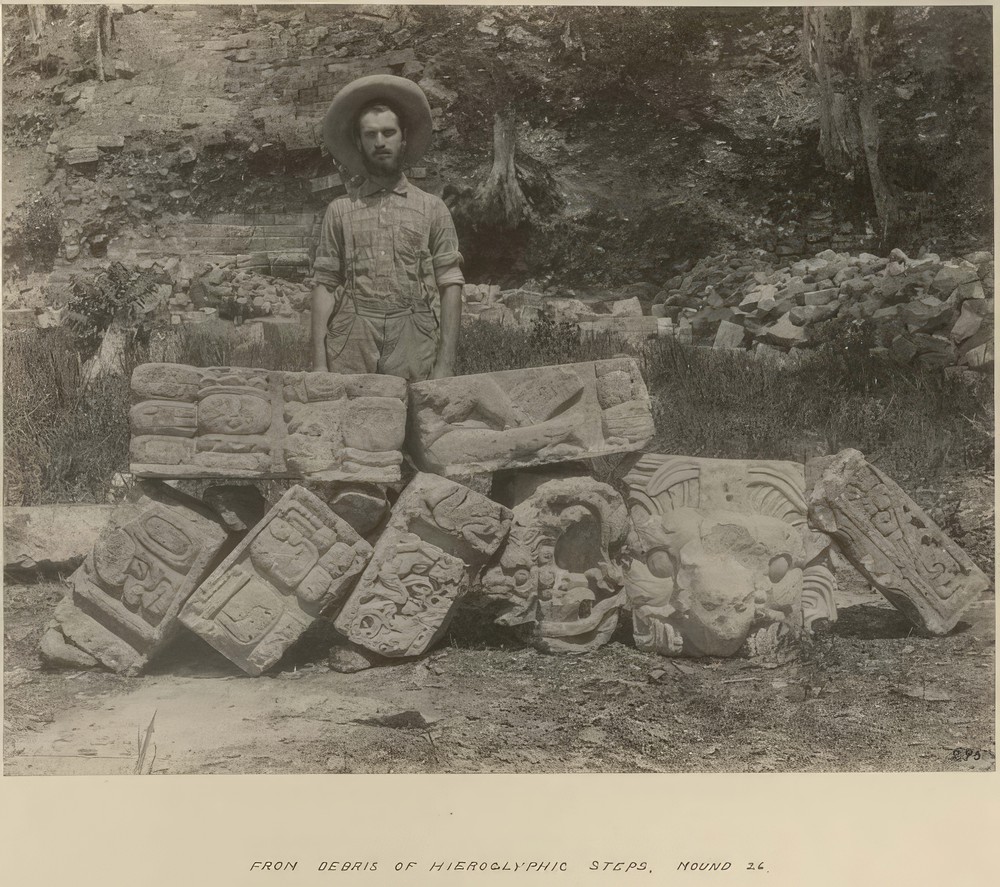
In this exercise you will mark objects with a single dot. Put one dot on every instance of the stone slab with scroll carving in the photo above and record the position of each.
(299, 561)
(560, 568)
(438, 534)
(723, 553)
(468, 425)
(242, 422)
(126, 595)
(894, 544)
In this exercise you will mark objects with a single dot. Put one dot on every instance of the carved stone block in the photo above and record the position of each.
(239, 422)
(894, 544)
(721, 550)
(468, 425)
(127, 593)
(300, 560)
(439, 532)
(560, 569)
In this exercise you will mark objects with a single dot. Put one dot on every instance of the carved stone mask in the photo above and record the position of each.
(559, 569)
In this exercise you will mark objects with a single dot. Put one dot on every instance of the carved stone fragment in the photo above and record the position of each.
(894, 544)
(472, 424)
(127, 593)
(439, 532)
(720, 552)
(300, 560)
(560, 569)
(241, 422)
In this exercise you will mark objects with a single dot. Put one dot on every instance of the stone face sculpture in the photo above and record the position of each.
(894, 544)
(560, 569)
(238, 422)
(468, 425)
(126, 596)
(299, 561)
(437, 534)
(721, 550)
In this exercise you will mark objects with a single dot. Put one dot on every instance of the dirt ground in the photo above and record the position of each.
(867, 695)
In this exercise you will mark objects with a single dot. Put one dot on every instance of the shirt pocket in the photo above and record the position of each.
(409, 240)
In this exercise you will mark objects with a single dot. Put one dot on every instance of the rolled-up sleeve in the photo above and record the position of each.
(328, 267)
(443, 243)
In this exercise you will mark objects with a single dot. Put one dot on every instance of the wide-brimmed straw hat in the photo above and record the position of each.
(403, 95)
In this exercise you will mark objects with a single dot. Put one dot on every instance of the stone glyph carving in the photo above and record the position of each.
(467, 425)
(894, 544)
(239, 422)
(722, 547)
(438, 533)
(299, 561)
(560, 568)
(126, 595)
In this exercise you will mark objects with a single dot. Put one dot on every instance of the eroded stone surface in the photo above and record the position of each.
(242, 422)
(473, 424)
(894, 544)
(297, 562)
(560, 568)
(721, 548)
(127, 593)
(53, 537)
(439, 532)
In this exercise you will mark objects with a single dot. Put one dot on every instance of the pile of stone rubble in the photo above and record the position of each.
(401, 500)
(925, 311)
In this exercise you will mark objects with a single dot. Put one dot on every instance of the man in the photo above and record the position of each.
(388, 281)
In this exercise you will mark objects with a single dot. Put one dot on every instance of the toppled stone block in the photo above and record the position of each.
(894, 544)
(969, 321)
(721, 550)
(127, 594)
(363, 506)
(299, 561)
(240, 422)
(474, 424)
(626, 308)
(56, 652)
(439, 532)
(560, 569)
(729, 335)
(783, 333)
(82, 157)
(54, 537)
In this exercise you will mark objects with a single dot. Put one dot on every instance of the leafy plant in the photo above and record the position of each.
(117, 293)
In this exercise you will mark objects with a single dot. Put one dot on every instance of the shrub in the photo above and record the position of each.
(31, 241)
(118, 294)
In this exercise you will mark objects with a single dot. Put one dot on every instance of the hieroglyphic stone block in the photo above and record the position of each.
(439, 532)
(127, 594)
(560, 569)
(472, 424)
(240, 422)
(721, 550)
(300, 560)
(894, 544)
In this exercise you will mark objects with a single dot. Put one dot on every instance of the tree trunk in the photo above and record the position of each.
(886, 202)
(99, 38)
(501, 199)
(105, 30)
(38, 18)
(839, 138)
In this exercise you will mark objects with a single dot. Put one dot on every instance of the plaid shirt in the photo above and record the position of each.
(389, 249)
